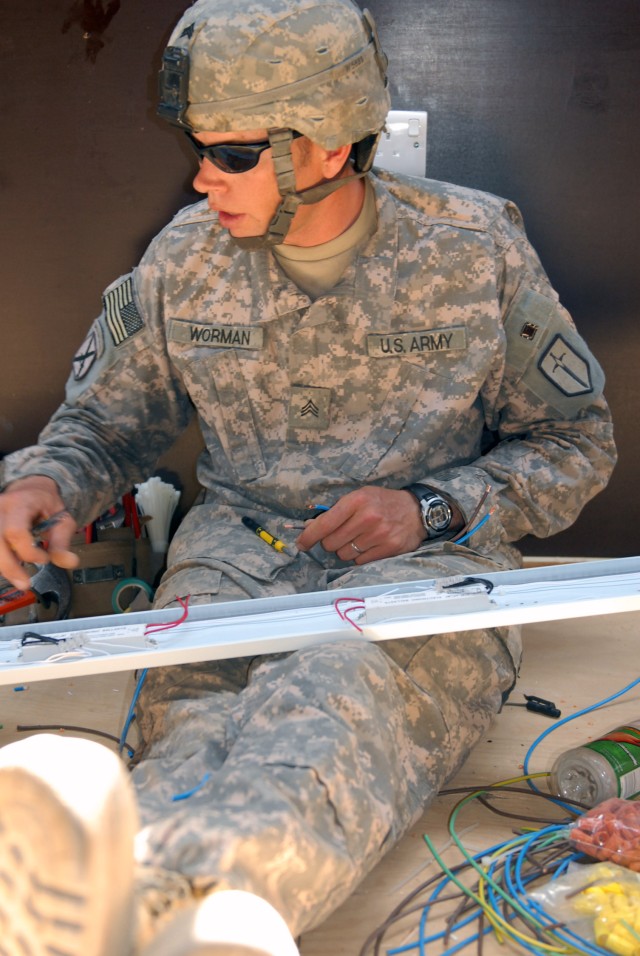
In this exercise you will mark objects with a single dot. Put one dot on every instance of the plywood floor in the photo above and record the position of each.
(573, 663)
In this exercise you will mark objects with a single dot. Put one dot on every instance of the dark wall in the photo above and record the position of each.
(536, 100)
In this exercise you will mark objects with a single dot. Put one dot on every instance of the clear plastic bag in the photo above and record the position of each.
(610, 831)
(600, 902)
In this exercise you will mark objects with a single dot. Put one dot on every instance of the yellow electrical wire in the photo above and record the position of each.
(497, 922)
(500, 926)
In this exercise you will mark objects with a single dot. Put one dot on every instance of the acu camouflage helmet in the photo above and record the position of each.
(314, 66)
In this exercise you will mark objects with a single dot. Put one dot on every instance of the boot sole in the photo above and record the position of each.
(67, 823)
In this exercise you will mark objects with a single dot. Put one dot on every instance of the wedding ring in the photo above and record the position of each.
(356, 548)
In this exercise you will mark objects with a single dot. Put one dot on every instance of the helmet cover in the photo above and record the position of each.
(315, 66)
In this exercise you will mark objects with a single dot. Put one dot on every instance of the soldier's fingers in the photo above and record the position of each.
(11, 567)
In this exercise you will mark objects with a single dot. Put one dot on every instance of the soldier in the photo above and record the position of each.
(388, 348)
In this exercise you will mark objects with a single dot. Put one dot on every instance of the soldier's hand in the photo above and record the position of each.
(23, 504)
(367, 525)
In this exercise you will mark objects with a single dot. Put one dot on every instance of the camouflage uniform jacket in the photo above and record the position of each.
(442, 356)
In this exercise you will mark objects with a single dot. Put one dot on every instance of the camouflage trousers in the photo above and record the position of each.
(295, 773)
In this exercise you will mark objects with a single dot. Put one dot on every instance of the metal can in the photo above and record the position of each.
(606, 767)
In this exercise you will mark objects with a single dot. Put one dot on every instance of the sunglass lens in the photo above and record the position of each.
(235, 159)
(230, 157)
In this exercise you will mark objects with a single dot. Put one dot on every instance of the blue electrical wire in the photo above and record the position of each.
(560, 723)
(512, 861)
(516, 883)
(472, 530)
(496, 900)
(132, 711)
(422, 940)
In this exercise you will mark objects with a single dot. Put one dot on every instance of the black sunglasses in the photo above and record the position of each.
(232, 157)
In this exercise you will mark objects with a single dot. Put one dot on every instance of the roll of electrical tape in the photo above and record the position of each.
(126, 591)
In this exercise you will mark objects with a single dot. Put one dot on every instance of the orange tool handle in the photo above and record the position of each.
(17, 600)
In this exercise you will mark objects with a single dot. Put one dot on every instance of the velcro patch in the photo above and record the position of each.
(566, 368)
(309, 407)
(88, 353)
(121, 315)
(215, 336)
(392, 345)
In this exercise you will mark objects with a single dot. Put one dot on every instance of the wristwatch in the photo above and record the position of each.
(435, 511)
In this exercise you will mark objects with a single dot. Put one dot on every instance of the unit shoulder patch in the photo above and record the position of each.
(88, 353)
(565, 368)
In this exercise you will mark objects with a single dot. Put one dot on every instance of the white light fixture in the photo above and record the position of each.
(271, 625)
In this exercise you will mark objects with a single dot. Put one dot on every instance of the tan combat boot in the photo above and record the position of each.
(68, 820)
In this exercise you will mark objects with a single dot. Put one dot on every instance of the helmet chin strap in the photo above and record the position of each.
(280, 224)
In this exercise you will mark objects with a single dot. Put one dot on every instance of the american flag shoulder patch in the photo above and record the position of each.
(121, 315)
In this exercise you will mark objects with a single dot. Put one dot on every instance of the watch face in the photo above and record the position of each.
(436, 514)
(439, 515)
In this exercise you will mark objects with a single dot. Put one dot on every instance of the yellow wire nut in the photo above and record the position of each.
(616, 909)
